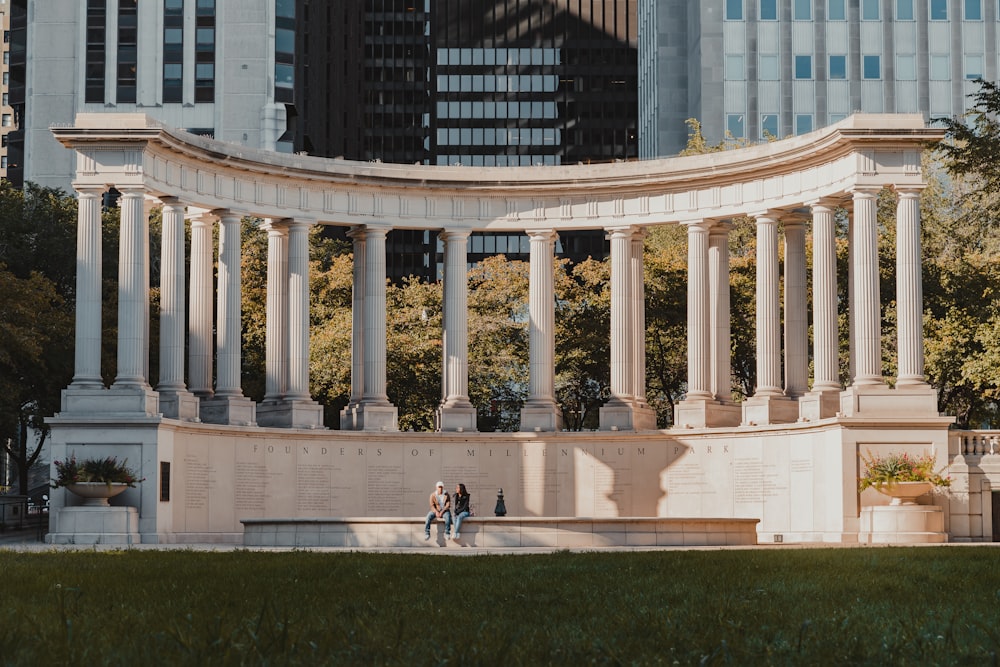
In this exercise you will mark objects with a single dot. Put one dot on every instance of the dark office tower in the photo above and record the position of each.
(470, 82)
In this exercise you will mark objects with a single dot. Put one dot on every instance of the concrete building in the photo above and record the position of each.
(6, 111)
(219, 68)
(758, 68)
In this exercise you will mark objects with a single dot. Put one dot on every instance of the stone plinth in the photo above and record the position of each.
(902, 524)
(376, 418)
(880, 400)
(819, 404)
(181, 405)
(760, 410)
(234, 410)
(456, 418)
(94, 525)
(694, 413)
(618, 417)
(541, 419)
(290, 414)
(117, 400)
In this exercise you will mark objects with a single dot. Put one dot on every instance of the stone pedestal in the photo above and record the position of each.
(623, 417)
(376, 418)
(816, 405)
(289, 413)
(233, 410)
(879, 400)
(181, 405)
(541, 418)
(902, 524)
(117, 400)
(94, 525)
(456, 418)
(694, 413)
(760, 410)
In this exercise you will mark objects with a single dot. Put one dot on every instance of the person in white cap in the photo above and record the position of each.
(440, 502)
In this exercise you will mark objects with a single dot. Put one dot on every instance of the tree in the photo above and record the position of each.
(37, 283)
(973, 141)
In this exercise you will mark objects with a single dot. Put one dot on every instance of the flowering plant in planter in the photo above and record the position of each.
(107, 470)
(889, 470)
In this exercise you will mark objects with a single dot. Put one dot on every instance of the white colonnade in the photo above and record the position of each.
(212, 185)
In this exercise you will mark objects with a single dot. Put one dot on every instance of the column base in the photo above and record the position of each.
(456, 418)
(880, 400)
(816, 405)
(759, 410)
(368, 417)
(902, 524)
(705, 413)
(181, 405)
(541, 418)
(290, 413)
(625, 417)
(232, 410)
(95, 525)
(116, 400)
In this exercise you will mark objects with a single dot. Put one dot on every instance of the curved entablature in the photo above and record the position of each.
(864, 150)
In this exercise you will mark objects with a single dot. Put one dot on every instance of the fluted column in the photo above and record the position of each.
(276, 338)
(172, 300)
(825, 339)
(768, 317)
(909, 290)
(229, 313)
(698, 313)
(721, 385)
(374, 317)
(638, 318)
(348, 416)
(200, 342)
(621, 319)
(132, 292)
(796, 320)
(298, 310)
(87, 364)
(540, 411)
(456, 319)
(865, 279)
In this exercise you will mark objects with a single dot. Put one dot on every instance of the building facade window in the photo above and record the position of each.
(768, 10)
(767, 67)
(973, 67)
(870, 10)
(871, 67)
(734, 68)
(734, 10)
(906, 68)
(940, 67)
(769, 126)
(939, 10)
(803, 10)
(204, 51)
(128, 51)
(904, 10)
(803, 67)
(836, 10)
(735, 125)
(173, 51)
(95, 59)
(973, 10)
(838, 67)
(284, 51)
(803, 123)
(7, 120)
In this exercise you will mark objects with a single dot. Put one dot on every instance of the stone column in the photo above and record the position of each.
(175, 400)
(276, 340)
(768, 405)
(200, 344)
(796, 320)
(375, 412)
(132, 292)
(229, 406)
(824, 399)
(87, 362)
(909, 290)
(719, 316)
(348, 416)
(768, 340)
(540, 411)
(639, 320)
(455, 413)
(298, 311)
(865, 278)
(699, 333)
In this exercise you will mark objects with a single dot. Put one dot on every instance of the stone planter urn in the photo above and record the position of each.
(96, 494)
(905, 493)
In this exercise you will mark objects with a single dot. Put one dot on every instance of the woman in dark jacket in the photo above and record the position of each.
(460, 508)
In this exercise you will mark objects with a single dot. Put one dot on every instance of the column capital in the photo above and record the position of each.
(276, 225)
(864, 191)
(720, 227)
(544, 234)
(377, 230)
(455, 234)
(909, 190)
(701, 225)
(621, 232)
(824, 204)
(89, 190)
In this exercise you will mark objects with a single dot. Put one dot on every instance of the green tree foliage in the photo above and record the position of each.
(972, 145)
(37, 282)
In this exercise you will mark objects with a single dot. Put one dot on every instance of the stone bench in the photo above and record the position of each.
(500, 532)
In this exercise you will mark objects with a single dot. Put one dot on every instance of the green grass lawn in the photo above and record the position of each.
(901, 606)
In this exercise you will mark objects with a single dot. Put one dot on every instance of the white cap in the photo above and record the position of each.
(441, 484)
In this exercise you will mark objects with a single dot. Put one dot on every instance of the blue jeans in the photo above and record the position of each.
(446, 517)
(458, 522)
